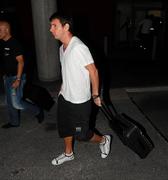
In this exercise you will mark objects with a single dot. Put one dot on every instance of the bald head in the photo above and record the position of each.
(5, 30)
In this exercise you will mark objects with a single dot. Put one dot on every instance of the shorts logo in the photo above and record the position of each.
(78, 129)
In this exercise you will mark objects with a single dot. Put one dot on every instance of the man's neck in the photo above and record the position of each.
(66, 41)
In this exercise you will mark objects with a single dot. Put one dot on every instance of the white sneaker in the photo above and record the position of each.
(61, 159)
(105, 146)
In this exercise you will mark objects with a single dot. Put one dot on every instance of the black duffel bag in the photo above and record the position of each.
(38, 95)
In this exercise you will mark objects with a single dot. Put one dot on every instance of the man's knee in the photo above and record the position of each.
(17, 105)
(84, 136)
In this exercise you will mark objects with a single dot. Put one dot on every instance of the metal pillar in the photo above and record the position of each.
(46, 46)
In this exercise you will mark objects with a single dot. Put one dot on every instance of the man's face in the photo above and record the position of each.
(3, 31)
(57, 29)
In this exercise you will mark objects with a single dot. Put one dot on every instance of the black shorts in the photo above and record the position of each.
(73, 119)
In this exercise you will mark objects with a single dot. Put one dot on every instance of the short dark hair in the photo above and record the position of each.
(64, 19)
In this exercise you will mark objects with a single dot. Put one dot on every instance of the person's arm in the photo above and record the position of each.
(94, 78)
(20, 67)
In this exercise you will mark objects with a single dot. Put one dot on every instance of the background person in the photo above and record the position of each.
(14, 77)
(144, 32)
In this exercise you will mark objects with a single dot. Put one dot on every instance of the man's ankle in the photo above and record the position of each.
(69, 153)
(103, 140)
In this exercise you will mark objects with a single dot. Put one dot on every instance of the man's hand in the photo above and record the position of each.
(16, 83)
(97, 101)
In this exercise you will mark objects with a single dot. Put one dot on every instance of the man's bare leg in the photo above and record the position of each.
(97, 138)
(68, 141)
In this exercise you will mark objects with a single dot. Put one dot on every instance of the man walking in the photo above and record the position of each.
(14, 77)
(80, 82)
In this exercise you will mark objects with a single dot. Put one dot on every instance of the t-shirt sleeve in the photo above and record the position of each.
(84, 55)
(17, 50)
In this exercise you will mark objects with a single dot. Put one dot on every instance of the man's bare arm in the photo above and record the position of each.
(94, 78)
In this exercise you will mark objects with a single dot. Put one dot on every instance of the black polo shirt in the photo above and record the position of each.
(11, 49)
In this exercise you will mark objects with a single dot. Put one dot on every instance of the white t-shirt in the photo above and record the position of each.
(76, 81)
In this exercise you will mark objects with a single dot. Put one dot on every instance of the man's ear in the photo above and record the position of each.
(66, 26)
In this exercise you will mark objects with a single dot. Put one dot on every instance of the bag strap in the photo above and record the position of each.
(107, 112)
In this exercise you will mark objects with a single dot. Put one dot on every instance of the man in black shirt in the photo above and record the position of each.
(14, 77)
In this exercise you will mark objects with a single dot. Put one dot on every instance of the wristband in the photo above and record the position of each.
(95, 97)
(18, 79)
